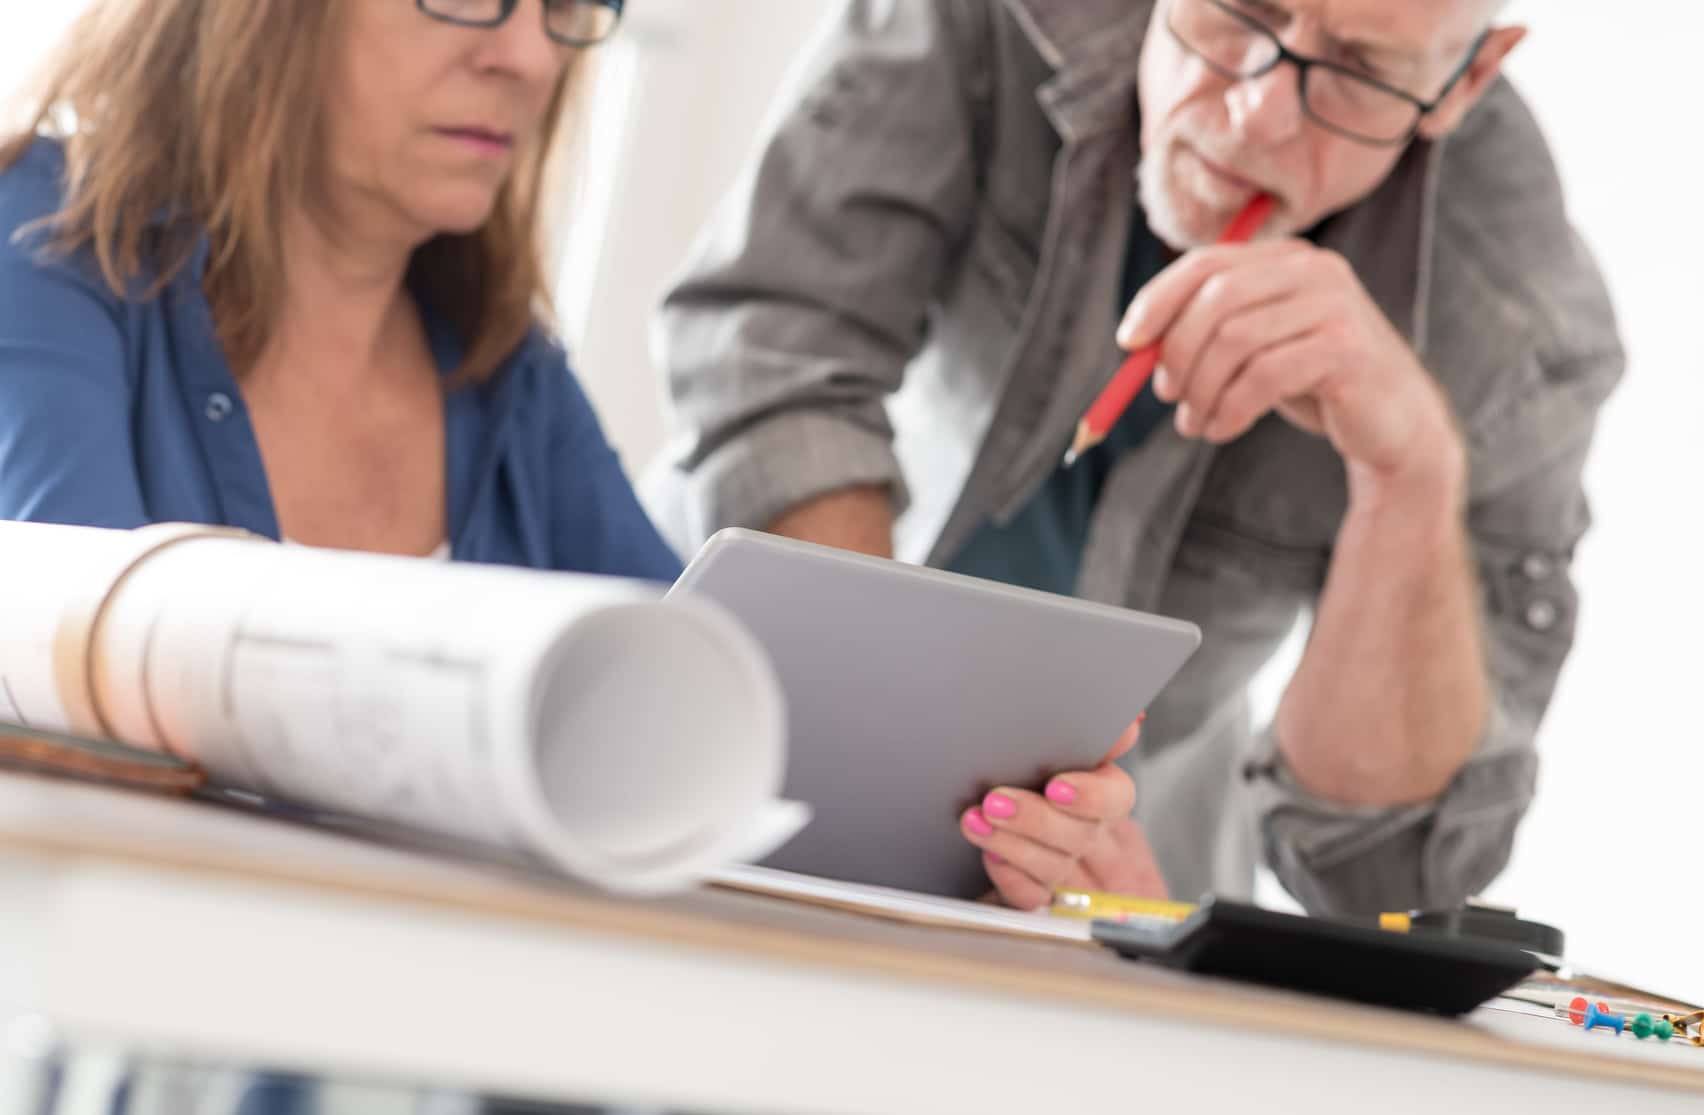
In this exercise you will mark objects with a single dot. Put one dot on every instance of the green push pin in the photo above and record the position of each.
(1664, 1030)
(1643, 1026)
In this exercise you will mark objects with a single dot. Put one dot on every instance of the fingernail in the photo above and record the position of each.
(1000, 807)
(1185, 419)
(977, 823)
(1061, 793)
(994, 858)
(1128, 333)
(1162, 383)
(1143, 719)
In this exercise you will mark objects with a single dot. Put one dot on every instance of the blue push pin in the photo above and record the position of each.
(1596, 1018)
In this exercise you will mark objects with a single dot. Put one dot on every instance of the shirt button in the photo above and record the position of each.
(219, 406)
(1537, 567)
(1542, 615)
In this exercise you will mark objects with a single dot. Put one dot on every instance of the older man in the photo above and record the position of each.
(1376, 415)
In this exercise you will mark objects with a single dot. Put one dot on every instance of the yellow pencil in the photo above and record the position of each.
(1102, 905)
(1095, 905)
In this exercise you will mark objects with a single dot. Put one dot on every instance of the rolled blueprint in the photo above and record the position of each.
(633, 742)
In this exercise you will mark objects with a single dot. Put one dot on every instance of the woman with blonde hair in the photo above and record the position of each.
(277, 265)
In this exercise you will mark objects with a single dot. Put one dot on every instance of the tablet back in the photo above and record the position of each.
(911, 692)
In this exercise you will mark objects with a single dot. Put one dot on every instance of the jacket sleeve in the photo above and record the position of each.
(810, 293)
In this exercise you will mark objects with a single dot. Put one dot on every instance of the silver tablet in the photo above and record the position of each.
(911, 692)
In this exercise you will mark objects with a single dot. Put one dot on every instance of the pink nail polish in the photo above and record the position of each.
(1061, 793)
(994, 858)
(977, 823)
(1000, 807)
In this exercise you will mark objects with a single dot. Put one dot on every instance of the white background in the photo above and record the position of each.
(1614, 849)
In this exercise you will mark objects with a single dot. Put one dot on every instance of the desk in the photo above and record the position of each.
(189, 930)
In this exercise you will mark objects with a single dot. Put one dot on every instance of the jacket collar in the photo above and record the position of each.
(1094, 48)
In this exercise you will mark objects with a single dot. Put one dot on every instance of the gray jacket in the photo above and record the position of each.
(915, 286)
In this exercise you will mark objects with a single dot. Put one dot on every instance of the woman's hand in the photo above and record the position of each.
(1076, 834)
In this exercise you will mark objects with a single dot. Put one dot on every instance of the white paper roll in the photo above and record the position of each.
(54, 583)
(633, 742)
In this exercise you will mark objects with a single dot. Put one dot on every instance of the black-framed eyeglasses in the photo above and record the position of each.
(569, 22)
(1239, 47)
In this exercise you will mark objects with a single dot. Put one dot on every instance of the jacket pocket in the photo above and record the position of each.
(1217, 547)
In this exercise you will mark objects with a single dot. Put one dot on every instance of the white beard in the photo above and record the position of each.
(1164, 221)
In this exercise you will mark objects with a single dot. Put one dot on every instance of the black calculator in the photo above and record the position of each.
(1421, 969)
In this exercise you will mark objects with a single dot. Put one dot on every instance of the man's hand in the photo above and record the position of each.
(1077, 833)
(1392, 695)
(859, 519)
(1286, 326)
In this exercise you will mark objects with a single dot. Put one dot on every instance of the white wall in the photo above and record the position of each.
(27, 31)
(690, 83)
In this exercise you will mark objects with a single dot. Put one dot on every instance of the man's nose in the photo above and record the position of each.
(1267, 110)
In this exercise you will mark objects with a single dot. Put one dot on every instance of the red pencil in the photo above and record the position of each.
(1130, 378)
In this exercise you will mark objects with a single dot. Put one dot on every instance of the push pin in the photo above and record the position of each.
(1598, 1016)
(1603, 1019)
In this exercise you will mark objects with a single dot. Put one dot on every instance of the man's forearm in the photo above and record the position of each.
(859, 519)
(1392, 694)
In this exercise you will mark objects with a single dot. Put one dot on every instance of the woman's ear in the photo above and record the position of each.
(1481, 72)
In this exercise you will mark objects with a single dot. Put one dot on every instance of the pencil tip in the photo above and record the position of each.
(1081, 443)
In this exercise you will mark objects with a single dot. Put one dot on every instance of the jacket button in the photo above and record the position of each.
(219, 406)
(1537, 567)
(1542, 615)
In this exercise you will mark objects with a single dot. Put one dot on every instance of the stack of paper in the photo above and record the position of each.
(901, 905)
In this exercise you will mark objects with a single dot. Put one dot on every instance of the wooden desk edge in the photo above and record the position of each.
(1252, 1009)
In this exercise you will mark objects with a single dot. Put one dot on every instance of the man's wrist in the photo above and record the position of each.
(858, 518)
(1428, 487)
